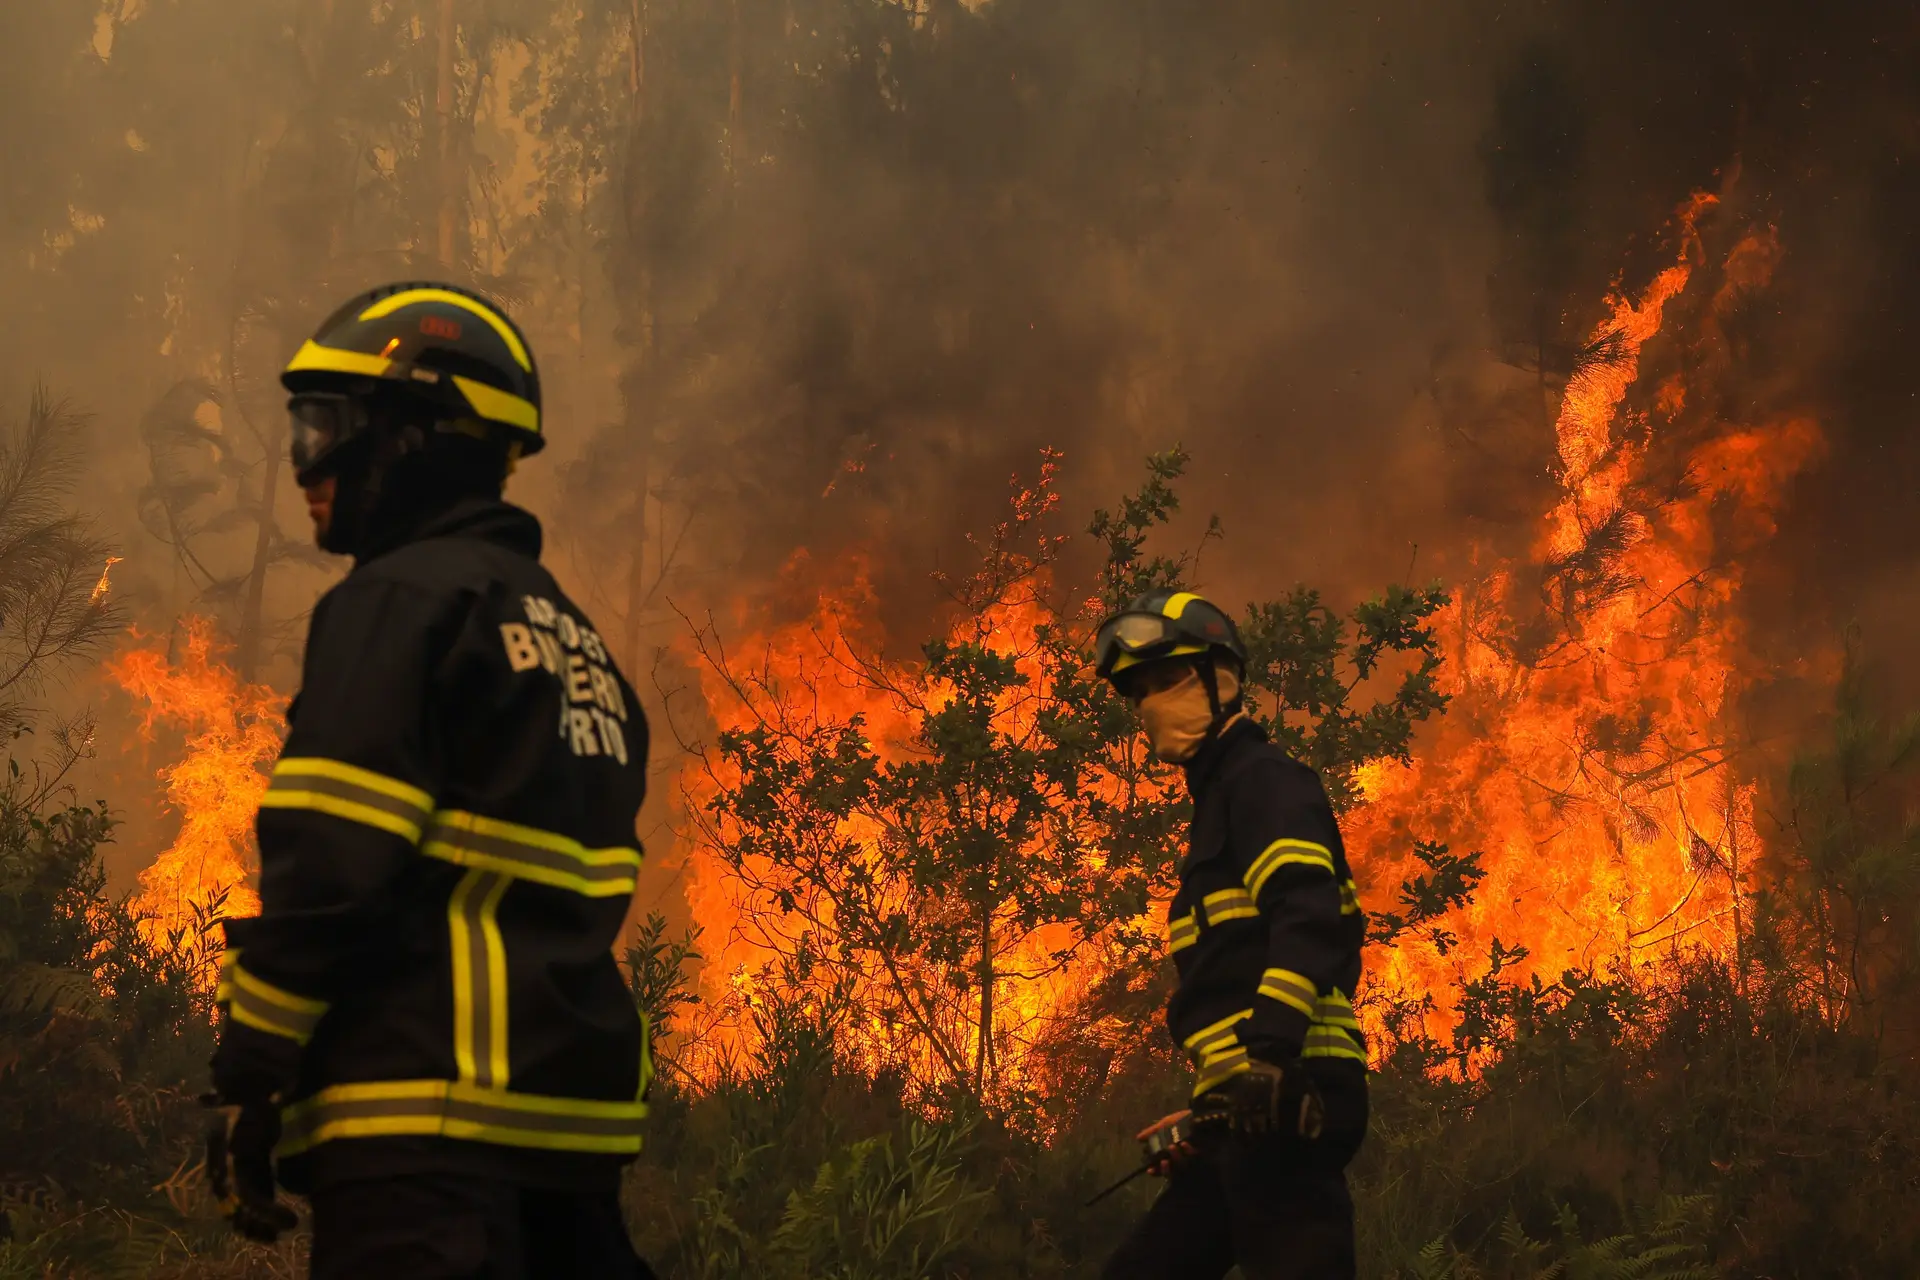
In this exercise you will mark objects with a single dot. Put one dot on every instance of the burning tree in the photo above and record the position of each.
(958, 846)
(1592, 750)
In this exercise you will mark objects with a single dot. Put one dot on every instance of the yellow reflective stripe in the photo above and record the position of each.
(496, 405)
(1126, 660)
(1349, 898)
(1182, 931)
(528, 853)
(1217, 1073)
(387, 306)
(347, 791)
(314, 357)
(353, 775)
(1177, 603)
(1335, 1010)
(1279, 854)
(1294, 990)
(496, 986)
(1230, 904)
(223, 985)
(252, 1001)
(453, 1109)
(479, 978)
(1331, 1042)
(1213, 1029)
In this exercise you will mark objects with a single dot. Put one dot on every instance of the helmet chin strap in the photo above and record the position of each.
(1222, 716)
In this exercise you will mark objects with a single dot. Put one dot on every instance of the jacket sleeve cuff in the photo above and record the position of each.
(253, 1066)
(252, 1001)
(1282, 1011)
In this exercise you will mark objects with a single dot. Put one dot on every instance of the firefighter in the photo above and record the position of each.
(424, 1030)
(1265, 932)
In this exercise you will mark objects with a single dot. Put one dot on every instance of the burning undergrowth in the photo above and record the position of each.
(935, 850)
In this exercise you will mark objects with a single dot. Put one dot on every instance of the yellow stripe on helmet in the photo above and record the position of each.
(316, 358)
(1126, 660)
(387, 306)
(499, 406)
(1177, 603)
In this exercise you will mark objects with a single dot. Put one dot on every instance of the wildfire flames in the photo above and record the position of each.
(232, 737)
(1588, 752)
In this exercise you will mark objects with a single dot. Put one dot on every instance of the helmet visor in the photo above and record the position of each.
(1130, 633)
(320, 423)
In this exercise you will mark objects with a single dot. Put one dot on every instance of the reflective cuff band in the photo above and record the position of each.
(1218, 1071)
(254, 1002)
(1335, 1010)
(1349, 898)
(1331, 1042)
(528, 853)
(1214, 1035)
(347, 791)
(1182, 931)
(444, 1108)
(1282, 852)
(1295, 990)
(1229, 904)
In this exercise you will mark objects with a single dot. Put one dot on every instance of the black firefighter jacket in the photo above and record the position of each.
(447, 853)
(1266, 928)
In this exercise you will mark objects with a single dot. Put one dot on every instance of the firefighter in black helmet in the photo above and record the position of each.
(425, 1031)
(1265, 932)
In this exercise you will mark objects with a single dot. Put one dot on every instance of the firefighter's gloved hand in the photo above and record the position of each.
(240, 1143)
(1266, 1098)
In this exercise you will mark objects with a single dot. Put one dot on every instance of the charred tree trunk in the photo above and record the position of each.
(983, 1051)
(251, 621)
(639, 323)
(443, 115)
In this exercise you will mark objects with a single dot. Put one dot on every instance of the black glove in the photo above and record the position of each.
(1266, 1098)
(240, 1167)
(252, 1071)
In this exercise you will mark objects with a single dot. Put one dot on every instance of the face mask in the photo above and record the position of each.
(1176, 720)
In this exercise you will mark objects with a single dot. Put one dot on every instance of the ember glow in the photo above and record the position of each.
(1590, 751)
(232, 736)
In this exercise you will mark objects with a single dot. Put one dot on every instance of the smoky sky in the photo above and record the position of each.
(1305, 241)
(855, 265)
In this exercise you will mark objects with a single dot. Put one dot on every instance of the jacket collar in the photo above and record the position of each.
(1205, 767)
(489, 519)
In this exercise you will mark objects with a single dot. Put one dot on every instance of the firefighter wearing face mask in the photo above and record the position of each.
(1265, 932)
(425, 1030)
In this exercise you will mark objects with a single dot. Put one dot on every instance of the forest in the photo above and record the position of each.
(1549, 436)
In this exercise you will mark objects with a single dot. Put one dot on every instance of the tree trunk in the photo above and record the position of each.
(733, 92)
(248, 658)
(443, 112)
(983, 1065)
(639, 323)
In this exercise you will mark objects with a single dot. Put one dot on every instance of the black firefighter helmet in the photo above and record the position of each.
(420, 352)
(1165, 624)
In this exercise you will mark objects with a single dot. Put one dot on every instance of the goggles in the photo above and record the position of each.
(321, 422)
(1131, 635)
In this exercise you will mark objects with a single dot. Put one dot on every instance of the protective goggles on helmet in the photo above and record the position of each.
(321, 423)
(1132, 638)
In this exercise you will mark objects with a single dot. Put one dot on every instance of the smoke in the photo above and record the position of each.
(823, 274)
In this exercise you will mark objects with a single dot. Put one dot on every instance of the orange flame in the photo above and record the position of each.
(232, 736)
(1588, 752)
(820, 672)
